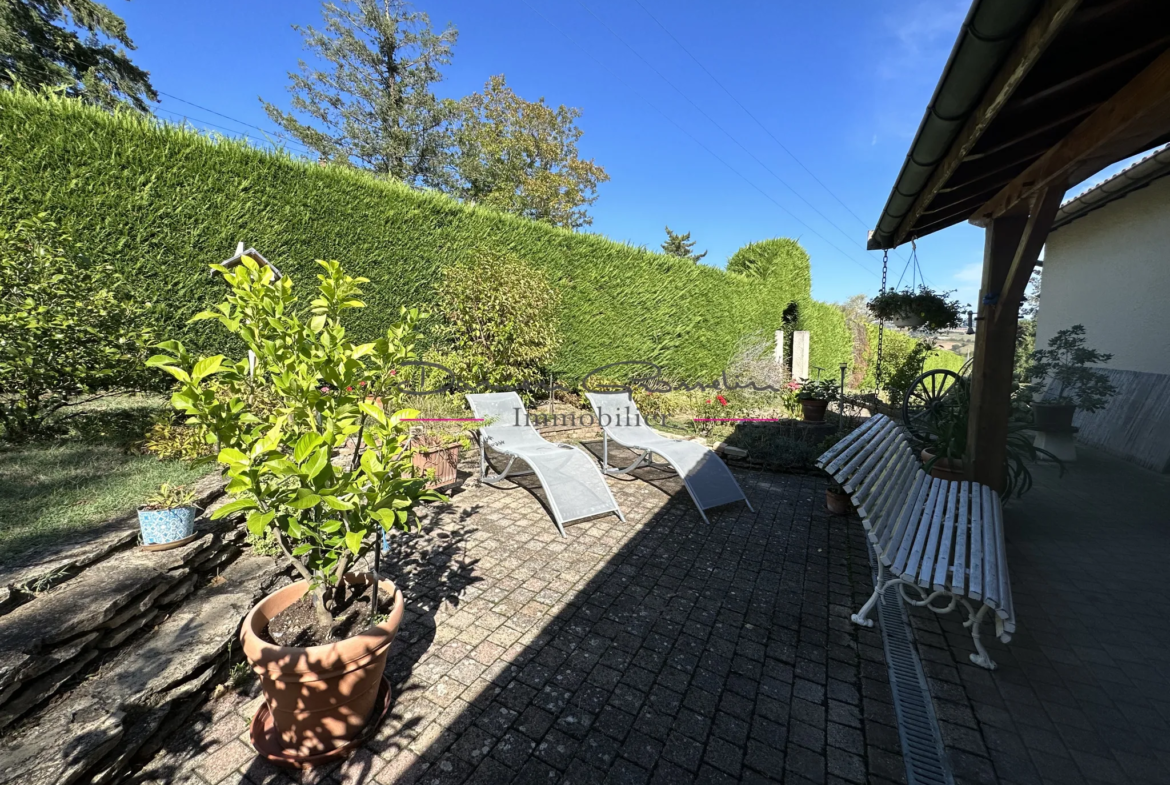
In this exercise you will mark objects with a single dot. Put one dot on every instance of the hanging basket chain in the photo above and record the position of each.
(882, 322)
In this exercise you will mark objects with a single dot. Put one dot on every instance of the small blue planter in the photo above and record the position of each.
(161, 527)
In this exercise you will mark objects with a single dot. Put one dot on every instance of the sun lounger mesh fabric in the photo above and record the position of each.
(704, 472)
(574, 485)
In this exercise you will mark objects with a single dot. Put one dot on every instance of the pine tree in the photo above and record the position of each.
(374, 107)
(681, 245)
(41, 48)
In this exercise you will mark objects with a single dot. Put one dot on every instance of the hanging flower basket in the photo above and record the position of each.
(916, 308)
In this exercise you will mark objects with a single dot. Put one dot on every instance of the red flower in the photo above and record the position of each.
(361, 384)
(721, 399)
(349, 389)
(708, 400)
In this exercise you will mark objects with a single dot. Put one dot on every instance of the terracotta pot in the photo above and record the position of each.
(444, 460)
(321, 696)
(944, 468)
(814, 410)
(838, 502)
(1053, 417)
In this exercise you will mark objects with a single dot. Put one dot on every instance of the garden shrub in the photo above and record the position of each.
(69, 328)
(498, 323)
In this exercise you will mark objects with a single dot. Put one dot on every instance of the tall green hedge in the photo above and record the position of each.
(163, 202)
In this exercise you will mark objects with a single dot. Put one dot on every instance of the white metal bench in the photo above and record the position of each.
(942, 538)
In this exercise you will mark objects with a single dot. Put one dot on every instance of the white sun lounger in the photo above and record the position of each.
(574, 486)
(705, 475)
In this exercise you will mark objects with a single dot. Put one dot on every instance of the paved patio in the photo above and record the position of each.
(1082, 693)
(659, 650)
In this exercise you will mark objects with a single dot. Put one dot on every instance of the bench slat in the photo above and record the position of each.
(937, 522)
(889, 500)
(895, 504)
(845, 449)
(959, 571)
(975, 547)
(871, 491)
(991, 555)
(907, 519)
(881, 452)
(910, 554)
(849, 469)
(1006, 611)
(930, 513)
(946, 539)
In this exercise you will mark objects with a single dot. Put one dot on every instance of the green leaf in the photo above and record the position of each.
(336, 503)
(232, 457)
(178, 373)
(301, 550)
(318, 462)
(353, 541)
(330, 526)
(373, 411)
(304, 500)
(305, 445)
(206, 367)
(258, 521)
(236, 506)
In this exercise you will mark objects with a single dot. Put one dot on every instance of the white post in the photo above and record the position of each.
(778, 352)
(800, 354)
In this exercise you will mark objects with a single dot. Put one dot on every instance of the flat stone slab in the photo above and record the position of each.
(122, 705)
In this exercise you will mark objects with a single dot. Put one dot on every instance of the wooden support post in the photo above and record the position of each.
(1011, 248)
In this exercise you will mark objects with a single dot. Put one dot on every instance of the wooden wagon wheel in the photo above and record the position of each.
(925, 396)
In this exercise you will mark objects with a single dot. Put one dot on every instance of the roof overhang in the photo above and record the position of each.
(1036, 94)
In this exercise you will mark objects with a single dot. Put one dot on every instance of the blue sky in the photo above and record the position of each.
(842, 86)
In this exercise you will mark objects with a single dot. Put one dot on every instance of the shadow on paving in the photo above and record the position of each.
(692, 653)
(1082, 692)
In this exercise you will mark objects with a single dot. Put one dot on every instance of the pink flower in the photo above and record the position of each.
(361, 384)
(325, 389)
(349, 389)
(393, 372)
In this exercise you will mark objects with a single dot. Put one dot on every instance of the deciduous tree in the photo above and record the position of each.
(521, 157)
(373, 106)
(42, 46)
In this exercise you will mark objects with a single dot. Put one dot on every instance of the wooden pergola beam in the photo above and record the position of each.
(1125, 124)
(1050, 19)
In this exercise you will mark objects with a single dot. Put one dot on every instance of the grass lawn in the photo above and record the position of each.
(59, 486)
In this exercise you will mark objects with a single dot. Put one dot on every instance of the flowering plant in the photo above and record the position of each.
(818, 390)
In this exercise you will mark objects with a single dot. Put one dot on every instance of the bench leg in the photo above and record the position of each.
(974, 620)
(878, 587)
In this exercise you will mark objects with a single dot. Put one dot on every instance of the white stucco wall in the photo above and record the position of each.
(1110, 271)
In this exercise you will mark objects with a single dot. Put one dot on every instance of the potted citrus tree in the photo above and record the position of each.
(916, 308)
(281, 422)
(1072, 384)
(814, 396)
(167, 519)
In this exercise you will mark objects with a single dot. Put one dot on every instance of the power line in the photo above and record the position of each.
(241, 122)
(704, 147)
(748, 112)
(714, 122)
(233, 131)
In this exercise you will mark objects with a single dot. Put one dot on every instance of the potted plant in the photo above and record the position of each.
(1072, 384)
(945, 444)
(319, 645)
(837, 500)
(814, 396)
(435, 453)
(167, 519)
(915, 308)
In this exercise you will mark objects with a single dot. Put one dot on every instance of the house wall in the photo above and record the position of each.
(1110, 271)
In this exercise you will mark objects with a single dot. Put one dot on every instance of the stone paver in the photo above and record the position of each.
(661, 649)
(1082, 693)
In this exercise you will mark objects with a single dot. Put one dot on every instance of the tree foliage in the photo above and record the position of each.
(374, 107)
(69, 328)
(681, 245)
(41, 46)
(499, 322)
(280, 425)
(1065, 365)
(521, 157)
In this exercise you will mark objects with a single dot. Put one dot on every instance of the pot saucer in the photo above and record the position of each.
(166, 546)
(266, 739)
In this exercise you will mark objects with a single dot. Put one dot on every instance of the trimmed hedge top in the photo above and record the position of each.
(162, 202)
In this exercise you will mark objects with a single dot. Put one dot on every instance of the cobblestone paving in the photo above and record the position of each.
(658, 650)
(1082, 693)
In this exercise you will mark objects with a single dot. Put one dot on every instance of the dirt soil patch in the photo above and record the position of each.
(297, 625)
